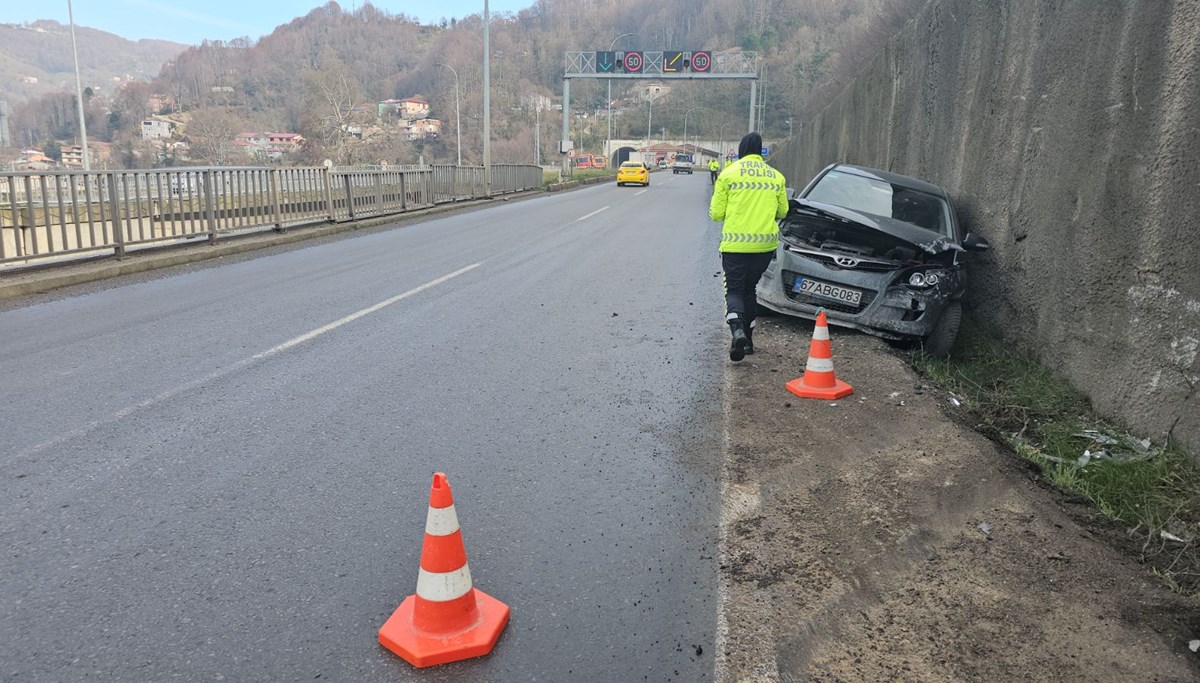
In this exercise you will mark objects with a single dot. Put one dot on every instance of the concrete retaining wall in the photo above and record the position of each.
(1069, 133)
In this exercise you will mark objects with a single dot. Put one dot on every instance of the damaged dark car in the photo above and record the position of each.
(880, 252)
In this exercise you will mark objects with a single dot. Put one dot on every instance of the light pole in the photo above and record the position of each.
(685, 118)
(649, 118)
(721, 144)
(608, 137)
(487, 105)
(457, 119)
(87, 162)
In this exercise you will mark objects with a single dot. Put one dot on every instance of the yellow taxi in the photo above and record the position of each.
(633, 172)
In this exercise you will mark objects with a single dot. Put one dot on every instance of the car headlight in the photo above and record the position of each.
(922, 279)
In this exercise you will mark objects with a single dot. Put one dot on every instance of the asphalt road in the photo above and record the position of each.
(222, 474)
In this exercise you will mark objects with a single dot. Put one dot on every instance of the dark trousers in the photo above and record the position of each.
(742, 272)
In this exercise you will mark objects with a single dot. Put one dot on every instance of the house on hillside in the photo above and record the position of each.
(652, 91)
(157, 129)
(409, 108)
(423, 129)
(72, 156)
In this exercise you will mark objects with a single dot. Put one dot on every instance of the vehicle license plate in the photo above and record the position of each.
(827, 291)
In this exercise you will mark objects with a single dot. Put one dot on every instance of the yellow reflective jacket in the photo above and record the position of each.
(712, 166)
(749, 197)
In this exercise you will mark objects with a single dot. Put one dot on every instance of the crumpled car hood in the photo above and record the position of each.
(926, 240)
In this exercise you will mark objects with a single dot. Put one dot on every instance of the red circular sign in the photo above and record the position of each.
(633, 61)
(701, 61)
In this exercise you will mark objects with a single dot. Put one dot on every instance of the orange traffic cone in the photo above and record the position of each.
(448, 619)
(818, 380)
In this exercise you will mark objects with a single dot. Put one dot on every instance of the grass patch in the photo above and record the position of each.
(551, 177)
(1153, 490)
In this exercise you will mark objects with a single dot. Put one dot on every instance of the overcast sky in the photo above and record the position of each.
(191, 21)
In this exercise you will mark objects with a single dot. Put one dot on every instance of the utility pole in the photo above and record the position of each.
(537, 129)
(487, 105)
(87, 161)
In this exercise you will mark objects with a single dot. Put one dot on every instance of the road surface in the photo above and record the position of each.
(223, 472)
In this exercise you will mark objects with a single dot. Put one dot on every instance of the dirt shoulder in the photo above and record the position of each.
(854, 549)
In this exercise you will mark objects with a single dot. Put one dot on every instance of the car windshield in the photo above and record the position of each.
(880, 198)
(631, 164)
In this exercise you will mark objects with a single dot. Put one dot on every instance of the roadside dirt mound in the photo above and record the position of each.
(874, 538)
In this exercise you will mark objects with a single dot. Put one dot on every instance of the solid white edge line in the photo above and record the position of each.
(641, 192)
(440, 587)
(441, 521)
(584, 218)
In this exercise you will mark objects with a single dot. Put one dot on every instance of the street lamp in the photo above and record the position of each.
(608, 137)
(87, 162)
(649, 118)
(721, 144)
(685, 118)
(457, 126)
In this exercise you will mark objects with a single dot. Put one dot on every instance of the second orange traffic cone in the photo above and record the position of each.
(448, 619)
(819, 380)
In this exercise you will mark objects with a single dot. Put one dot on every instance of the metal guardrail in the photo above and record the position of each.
(64, 215)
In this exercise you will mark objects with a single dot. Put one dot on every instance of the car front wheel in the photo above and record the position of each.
(941, 339)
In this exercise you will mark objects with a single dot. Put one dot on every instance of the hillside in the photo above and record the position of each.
(284, 80)
(321, 75)
(42, 50)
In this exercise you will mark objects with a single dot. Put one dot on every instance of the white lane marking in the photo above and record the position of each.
(584, 218)
(642, 192)
(440, 587)
(441, 521)
(230, 369)
(366, 311)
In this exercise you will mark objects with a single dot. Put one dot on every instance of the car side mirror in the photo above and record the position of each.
(973, 242)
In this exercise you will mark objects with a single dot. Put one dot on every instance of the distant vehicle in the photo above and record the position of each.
(682, 164)
(589, 161)
(633, 172)
(878, 251)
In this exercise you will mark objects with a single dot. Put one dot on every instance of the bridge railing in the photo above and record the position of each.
(53, 216)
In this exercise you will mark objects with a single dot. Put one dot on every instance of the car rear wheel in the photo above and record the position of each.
(941, 339)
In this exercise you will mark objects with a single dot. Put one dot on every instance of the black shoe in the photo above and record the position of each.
(737, 348)
(750, 339)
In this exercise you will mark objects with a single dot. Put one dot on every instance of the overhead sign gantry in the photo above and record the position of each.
(659, 65)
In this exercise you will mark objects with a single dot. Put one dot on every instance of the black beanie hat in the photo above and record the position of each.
(751, 144)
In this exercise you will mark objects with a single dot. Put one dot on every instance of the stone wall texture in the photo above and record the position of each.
(1068, 133)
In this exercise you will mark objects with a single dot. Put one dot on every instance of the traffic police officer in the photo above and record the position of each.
(713, 167)
(749, 197)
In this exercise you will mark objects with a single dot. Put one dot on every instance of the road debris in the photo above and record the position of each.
(985, 528)
(1194, 646)
(1119, 448)
(1168, 536)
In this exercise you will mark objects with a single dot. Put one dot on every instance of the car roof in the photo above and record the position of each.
(893, 178)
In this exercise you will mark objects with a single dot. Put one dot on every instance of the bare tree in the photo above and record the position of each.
(212, 133)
